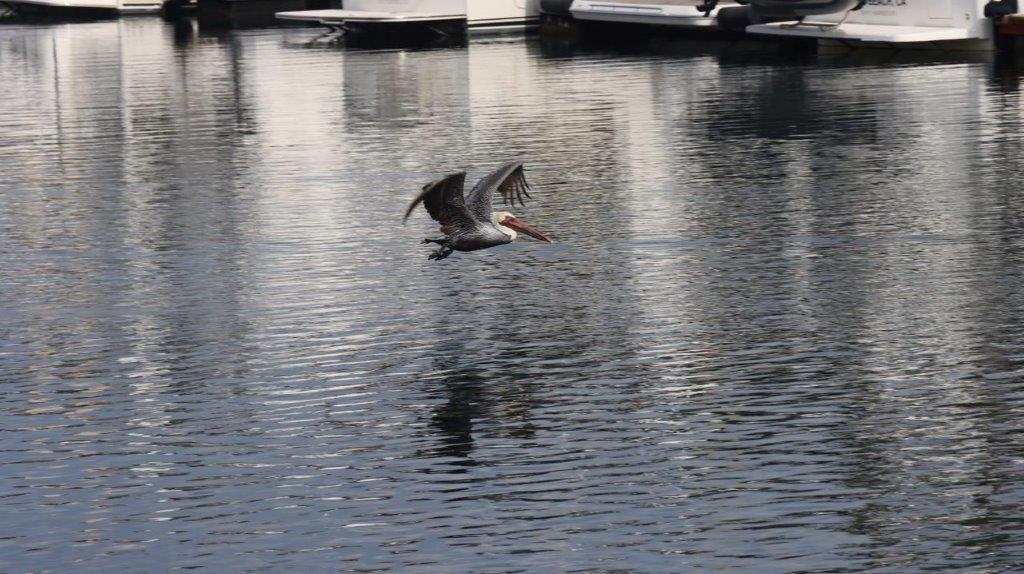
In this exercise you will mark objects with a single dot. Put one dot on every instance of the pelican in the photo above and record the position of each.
(468, 222)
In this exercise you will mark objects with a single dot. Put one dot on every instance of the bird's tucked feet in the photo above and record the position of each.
(440, 253)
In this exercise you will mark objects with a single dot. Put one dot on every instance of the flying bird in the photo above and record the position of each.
(468, 222)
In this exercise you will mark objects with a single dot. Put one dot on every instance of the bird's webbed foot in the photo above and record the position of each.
(440, 253)
(437, 241)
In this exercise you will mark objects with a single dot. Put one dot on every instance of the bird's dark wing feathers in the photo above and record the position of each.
(507, 180)
(444, 202)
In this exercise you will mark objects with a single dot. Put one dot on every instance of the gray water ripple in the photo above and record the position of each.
(779, 330)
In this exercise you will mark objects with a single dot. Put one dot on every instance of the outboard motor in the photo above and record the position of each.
(736, 18)
(801, 8)
(707, 6)
(556, 7)
(997, 10)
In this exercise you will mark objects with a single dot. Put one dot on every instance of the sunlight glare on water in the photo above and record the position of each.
(780, 329)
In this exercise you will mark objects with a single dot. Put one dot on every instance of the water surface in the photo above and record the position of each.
(781, 330)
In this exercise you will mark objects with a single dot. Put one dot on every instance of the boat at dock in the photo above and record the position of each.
(919, 24)
(439, 16)
(946, 24)
(84, 8)
(677, 13)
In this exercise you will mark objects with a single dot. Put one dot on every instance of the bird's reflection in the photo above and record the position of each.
(453, 418)
(473, 390)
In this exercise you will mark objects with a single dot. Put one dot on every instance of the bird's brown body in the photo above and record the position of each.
(467, 221)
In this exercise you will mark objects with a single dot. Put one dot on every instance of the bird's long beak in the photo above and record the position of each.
(520, 225)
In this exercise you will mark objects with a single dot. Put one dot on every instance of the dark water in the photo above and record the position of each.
(781, 330)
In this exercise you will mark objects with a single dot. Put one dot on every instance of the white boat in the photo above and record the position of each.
(959, 24)
(86, 7)
(473, 15)
(681, 13)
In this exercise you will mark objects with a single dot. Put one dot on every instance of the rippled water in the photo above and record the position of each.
(780, 331)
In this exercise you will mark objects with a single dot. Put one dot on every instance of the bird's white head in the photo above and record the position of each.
(509, 224)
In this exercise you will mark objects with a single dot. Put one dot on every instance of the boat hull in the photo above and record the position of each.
(674, 13)
(441, 17)
(909, 24)
(87, 9)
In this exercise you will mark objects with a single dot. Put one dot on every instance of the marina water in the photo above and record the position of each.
(780, 329)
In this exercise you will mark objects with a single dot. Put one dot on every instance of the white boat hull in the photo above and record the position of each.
(908, 23)
(478, 15)
(113, 6)
(679, 13)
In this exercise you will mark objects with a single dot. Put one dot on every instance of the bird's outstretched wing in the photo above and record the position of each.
(508, 180)
(444, 202)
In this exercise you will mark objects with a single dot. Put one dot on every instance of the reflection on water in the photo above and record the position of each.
(780, 330)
